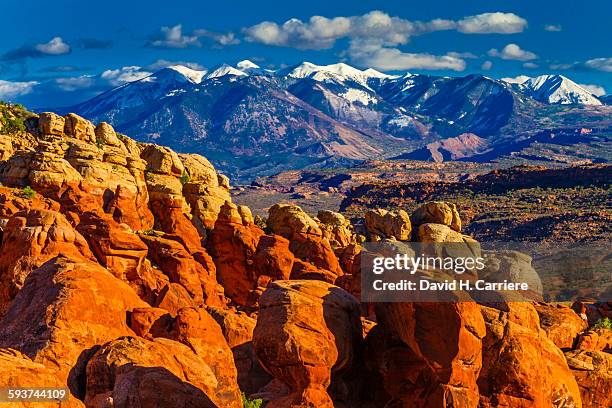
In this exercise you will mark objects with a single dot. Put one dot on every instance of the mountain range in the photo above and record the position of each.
(252, 121)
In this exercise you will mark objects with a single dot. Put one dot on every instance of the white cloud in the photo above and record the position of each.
(552, 27)
(516, 80)
(162, 63)
(9, 89)
(530, 65)
(487, 65)
(56, 46)
(320, 32)
(462, 55)
(594, 89)
(122, 75)
(172, 37)
(492, 23)
(512, 52)
(70, 84)
(600, 64)
(393, 59)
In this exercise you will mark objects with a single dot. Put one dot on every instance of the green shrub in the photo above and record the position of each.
(256, 403)
(99, 142)
(184, 178)
(27, 192)
(604, 323)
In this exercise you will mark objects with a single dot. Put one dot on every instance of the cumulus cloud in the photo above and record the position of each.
(487, 65)
(322, 32)
(516, 80)
(55, 46)
(393, 59)
(173, 37)
(9, 89)
(512, 52)
(552, 27)
(122, 75)
(599, 64)
(594, 89)
(492, 23)
(218, 38)
(71, 84)
(530, 65)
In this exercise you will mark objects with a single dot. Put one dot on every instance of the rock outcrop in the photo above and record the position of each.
(306, 331)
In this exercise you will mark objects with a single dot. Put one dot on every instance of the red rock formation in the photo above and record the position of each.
(133, 372)
(437, 360)
(66, 307)
(593, 373)
(305, 237)
(521, 366)
(17, 370)
(561, 324)
(306, 330)
(30, 238)
(233, 246)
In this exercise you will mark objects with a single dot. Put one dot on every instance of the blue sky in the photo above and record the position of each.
(57, 53)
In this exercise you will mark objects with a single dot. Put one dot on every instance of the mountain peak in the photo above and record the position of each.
(247, 64)
(190, 74)
(224, 70)
(557, 89)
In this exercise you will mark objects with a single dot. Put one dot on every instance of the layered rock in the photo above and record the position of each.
(306, 330)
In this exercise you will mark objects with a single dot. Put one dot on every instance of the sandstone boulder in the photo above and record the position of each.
(305, 236)
(17, 370)
(30, 238)
(437, 212)
(50, 123)
(593, 373)
(132, 372)
(561, 324)
(306, 330)
(336, 228)
(79, 128)
(388, 224)
(233, 246)
(66, 307)
(521, 366)
(597, 339)
(441, 342)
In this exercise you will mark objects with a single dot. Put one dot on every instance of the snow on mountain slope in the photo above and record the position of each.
(557, 89)
(339, 72)
(225, 70)
(192, 75)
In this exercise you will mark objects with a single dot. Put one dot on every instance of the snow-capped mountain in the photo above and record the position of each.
(557, 89)
(252, 121)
